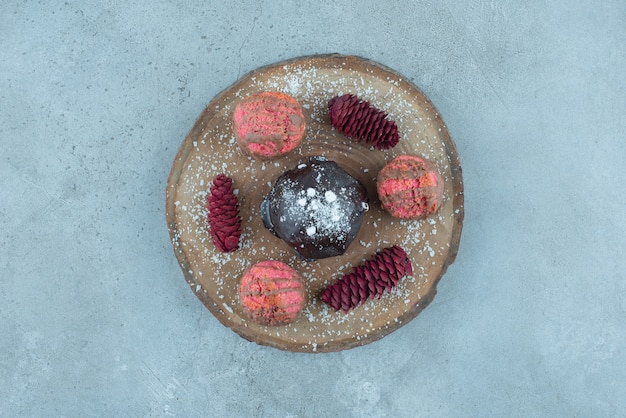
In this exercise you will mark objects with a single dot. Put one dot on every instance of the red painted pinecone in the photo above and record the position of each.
(357, 119)
(223, 215)
(381, 272)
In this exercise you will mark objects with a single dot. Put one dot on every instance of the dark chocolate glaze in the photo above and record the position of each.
(317, 208)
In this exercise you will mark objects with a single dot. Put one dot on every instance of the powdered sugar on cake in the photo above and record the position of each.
(324, 214)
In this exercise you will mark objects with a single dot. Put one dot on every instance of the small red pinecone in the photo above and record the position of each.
(357, 119)
(381, 272)
(223, 215)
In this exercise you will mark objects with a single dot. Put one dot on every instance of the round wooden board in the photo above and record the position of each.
(210, 149)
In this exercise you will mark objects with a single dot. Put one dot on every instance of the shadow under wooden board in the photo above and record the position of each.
(210, 149)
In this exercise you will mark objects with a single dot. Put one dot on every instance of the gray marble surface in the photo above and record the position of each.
(96, 318)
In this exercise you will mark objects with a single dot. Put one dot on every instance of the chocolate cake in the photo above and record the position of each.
(317, 208)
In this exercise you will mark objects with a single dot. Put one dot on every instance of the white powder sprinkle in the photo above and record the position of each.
(328, 215)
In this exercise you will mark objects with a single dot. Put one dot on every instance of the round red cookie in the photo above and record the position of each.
(410, 187)
(272, 293)
(268, 125)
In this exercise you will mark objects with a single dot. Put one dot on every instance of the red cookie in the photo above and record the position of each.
(272, 293)
(410, 187)
(268, 125)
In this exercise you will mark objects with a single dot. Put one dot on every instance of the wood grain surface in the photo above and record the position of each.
(210, 149)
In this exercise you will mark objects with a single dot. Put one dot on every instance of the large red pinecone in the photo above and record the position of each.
(357, 119)
(381, 272)
(223, 214)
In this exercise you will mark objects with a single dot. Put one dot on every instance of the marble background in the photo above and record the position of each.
(96, 318)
